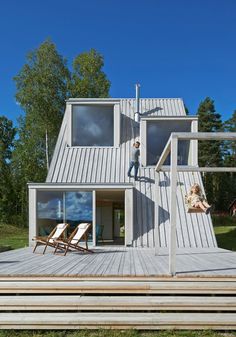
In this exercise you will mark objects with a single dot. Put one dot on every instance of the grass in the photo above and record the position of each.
(223, 220)
(13, 237)
(116, 333)
(225, 231)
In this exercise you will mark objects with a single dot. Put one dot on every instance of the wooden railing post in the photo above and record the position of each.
(173, 205)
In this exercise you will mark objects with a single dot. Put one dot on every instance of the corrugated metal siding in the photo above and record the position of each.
(110, 165)
(90, 165)
(193, 230)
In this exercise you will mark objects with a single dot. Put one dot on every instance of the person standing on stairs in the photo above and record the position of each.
(134, 162)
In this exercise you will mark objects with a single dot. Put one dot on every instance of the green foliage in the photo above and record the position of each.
(209, 121)
(223, 220)
(13, 236)
(88, 79)
(186, 110)
(230, 160)
(210, 153)
(7, 202)
(230, 147)
(43, 84)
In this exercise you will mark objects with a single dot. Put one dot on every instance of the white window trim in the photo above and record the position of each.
(193, 151)
(127, 188)
(116, 121)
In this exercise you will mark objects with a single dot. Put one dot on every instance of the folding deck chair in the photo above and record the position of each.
(49, 240)
(80, 232)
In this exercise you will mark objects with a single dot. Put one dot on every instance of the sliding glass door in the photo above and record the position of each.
(72, 207)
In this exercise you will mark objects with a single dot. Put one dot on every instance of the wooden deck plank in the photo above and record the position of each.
(119, 286)
(110, 260)
(96, 262)
(112, 303)
(118, 261)
(116, 321)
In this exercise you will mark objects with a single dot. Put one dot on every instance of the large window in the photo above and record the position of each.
(54, 207)
(93, 125)
(158, 133)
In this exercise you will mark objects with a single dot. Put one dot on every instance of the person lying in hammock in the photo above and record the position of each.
(196, 199)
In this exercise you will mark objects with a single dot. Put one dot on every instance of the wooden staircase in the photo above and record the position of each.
(118, 303)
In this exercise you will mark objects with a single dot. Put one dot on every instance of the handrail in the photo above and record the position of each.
(172, 148)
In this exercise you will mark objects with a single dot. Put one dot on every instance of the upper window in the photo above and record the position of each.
(158, 133)
(93, 125)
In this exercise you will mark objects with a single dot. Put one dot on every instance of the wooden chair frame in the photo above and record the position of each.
(68, 245)
(49, 240)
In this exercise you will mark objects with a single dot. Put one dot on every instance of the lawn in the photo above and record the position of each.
(13, 237)
(116, 333)
(225, 231)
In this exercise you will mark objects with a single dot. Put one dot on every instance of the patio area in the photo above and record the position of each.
(118, 261)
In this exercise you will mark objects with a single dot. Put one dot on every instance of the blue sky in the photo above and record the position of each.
(174, 48)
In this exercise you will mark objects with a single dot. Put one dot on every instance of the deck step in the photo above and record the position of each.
(57, 321)
(122, 304)
(117, 303)
(118, 287)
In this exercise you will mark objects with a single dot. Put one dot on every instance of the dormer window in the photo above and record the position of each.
(95, 125)
(155, 132)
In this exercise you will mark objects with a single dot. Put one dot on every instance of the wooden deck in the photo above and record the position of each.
(119, 262)
(118, 287)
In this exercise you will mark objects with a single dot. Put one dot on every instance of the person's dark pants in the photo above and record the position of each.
(134, 164)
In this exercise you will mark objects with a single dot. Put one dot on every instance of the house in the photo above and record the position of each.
(87, 178)
(88, 181)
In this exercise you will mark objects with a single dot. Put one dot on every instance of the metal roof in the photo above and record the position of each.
(88, 165)
(106, 164)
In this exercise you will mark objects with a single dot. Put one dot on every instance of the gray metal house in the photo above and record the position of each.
(87, 179)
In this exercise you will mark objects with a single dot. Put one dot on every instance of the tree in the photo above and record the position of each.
(43, 84)
(210, 152)
(88, 79)
(230, 159)
(7, 134)
(186, 110)
(42, 87)
(230, 126)
(209, 121)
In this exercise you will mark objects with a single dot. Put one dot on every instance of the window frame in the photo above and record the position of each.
(116, 120)
(193, 150)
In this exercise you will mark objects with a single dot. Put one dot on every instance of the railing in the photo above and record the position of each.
(172, 148)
